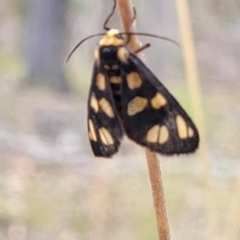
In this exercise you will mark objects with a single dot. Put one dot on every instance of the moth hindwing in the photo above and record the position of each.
(126, 98)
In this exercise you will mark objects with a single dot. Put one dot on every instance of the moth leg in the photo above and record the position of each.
(142, 48)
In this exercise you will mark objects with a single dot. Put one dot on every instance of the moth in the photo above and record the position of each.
(126, 98)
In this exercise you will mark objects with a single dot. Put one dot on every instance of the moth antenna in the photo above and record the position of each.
(151, 35)
(82, 41)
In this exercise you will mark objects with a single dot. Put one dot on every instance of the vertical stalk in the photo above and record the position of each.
(158, 195)
(193, 81)
(125, 10)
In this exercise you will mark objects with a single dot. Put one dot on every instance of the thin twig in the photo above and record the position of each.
(125, 10)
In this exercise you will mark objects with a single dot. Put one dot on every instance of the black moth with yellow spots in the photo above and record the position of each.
(126, 98)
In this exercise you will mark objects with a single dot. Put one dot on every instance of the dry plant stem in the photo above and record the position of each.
(193, 81)
(126, 15)
(158, 195)
(125, 10)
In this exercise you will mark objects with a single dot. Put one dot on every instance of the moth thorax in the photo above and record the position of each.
(109, 54)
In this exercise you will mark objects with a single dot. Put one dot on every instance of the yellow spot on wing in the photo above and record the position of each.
(164, 135)
(106, 107)
(122, 54)
(96, 55)
(136, 105)
(190, 132)
(134, 80)
(153, 133)
(92, 134)
(181, 127)
(115, 79)
(101, 82)
(105, 136)
(158, 101)
(94, 104)
(158, 134)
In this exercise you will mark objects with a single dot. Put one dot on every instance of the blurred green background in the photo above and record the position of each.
(51, 186)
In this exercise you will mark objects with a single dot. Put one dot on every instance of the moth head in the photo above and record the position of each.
(112, 38)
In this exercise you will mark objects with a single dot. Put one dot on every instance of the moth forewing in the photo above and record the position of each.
(104, 129)
(151, 115)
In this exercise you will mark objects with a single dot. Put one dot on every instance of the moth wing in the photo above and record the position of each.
(104, 129)
(151, 115)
